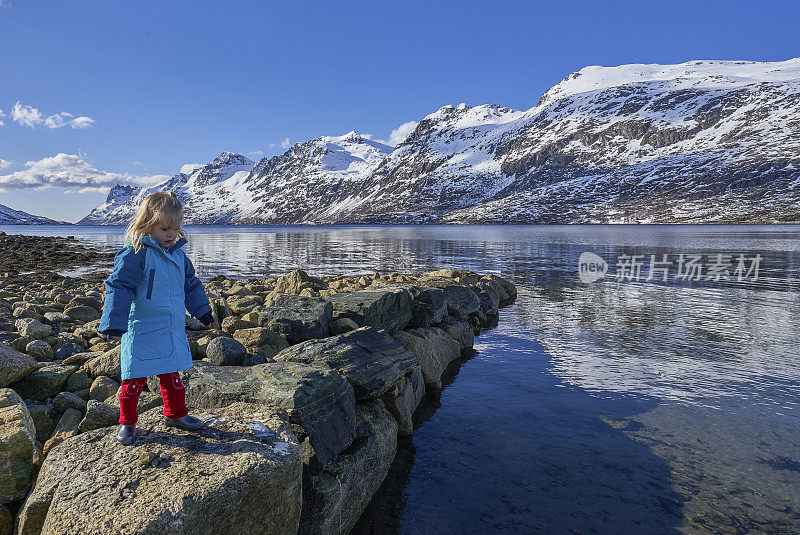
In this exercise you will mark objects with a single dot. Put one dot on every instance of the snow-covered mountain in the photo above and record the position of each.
(9, 216)
(702, 141)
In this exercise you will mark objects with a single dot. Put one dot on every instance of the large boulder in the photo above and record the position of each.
(370, 358)
(434, 350)
(14, 365)
(240, 473)
(82, 313)
(298, 280)
(377, 366)
(459, 330)
(384, 308)
(33, 328)
(98, 415)
(319, 400)
(224, 351)
(17, 439)
(43, 416)
(261, 341)
(334, 499)
(428, 306)
(107, 364)
(297, 318)
(46, 382)
(40, 350)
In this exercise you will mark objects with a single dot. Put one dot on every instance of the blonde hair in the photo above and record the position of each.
(157, 208)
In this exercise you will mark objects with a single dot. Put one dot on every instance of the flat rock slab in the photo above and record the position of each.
(377, 366)
(298, 318)
(14, 365)
(384, 308)
(240, 473)
(334, 499)
(317, 398)
(17, 437)
(46, 382)
(370, 358)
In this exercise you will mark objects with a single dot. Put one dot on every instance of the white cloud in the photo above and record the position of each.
(57, 120)
(81, 122)
(189, 167)
(400, 133)
(285, 144)
(64, 170)
(31, 117)
(1, 113)
(137, 162)
(26, 115)
(4, 163)
(256, 153)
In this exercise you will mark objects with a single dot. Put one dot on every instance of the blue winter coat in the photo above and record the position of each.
(146, 296)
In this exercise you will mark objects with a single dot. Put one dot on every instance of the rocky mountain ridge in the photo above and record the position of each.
(697, 142)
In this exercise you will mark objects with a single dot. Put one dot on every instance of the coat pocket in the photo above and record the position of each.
(152, 338)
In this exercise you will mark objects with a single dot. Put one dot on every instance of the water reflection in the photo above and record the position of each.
(597, 408)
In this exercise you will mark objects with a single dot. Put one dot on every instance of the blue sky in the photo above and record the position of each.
(150, 86)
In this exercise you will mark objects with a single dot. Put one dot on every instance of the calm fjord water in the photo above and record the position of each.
(616, 406)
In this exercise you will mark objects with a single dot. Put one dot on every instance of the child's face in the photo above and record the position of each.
(164, 235)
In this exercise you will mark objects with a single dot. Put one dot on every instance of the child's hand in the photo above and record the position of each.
(207, 319)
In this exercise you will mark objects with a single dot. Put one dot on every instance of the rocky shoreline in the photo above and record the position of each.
(304, 383)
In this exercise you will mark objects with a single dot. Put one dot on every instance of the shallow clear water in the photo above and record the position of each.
(616, 406)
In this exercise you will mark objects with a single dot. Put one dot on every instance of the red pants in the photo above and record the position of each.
(172, 392)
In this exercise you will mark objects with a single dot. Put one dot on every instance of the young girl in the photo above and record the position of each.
(152, 282)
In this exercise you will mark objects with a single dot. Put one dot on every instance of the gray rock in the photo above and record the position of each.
(43, 416)
(172, 481)
(404, 399)
(242, 304)
(385, 308)
(318, 399)
(40, 350)
(66, 350)
(14, 365)
(17, 438)
(106, 364)
(334, 499)
(33, 328)
(461, 301)
(428, 306)
(78, 381)
(85, 300)
(434, 350)
(82, 314)
(68, 400)
(377, 366)
(103, 387)
(224, 351)
(343, 325)
(298, 318)
(56, 317)
(98, 415)
(231, 324)
(459, 330)
(297, 280)
(44, 383)
(261, 341)
(370, 358)
(67, 427)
